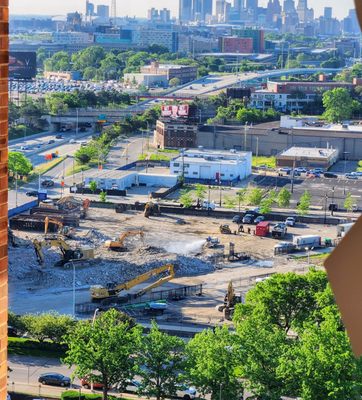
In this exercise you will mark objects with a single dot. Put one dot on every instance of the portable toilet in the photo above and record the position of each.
(262, 229)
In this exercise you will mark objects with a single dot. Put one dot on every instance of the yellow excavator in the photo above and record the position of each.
(118, 244)
(151, 209)
(69, 255)
(63, 230)
(99, 293)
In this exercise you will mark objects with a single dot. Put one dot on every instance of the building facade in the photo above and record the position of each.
(174, 134)
(185, 73)
(236, 45)
(212, 166)
(308, 157)
(4, 61)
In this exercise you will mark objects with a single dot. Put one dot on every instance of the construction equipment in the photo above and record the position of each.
(151, 209)
(118, 245)
(279, 231)
(225, 229)
(212, 242)
(230, 301)
(69, 256)
(231, 255)
(99, 293)
(63, 230)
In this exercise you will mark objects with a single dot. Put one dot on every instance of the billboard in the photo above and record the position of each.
(175, 111)
(22, 65)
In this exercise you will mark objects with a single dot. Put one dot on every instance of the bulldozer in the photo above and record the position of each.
(151, 209)
(230, 301)
(112, 291)
(118, 244)
(225, 229)
(69, 256)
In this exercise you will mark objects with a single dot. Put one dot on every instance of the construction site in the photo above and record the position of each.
(73, 257)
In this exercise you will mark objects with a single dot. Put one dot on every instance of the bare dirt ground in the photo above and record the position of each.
(33, 288)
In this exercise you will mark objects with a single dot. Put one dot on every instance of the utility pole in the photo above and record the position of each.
(257, 147)
(245, 132)
(292, 188)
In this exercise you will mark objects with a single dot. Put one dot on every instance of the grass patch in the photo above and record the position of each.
(77, 169)
(153, 157)
(29, 347)
(316, 258)
(169, 151)
(270, 162)
(75, 395)
(44, 168)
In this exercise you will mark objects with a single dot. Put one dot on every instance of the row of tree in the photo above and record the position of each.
(289, 341)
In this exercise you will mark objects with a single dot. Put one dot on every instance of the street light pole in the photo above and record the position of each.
(73, 289)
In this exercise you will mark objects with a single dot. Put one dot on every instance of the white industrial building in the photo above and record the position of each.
(122, 180)
(212, 165)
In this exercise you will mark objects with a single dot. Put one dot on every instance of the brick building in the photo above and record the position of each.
(186, 73)
(4, 60)
(175, 134)
(236, 45)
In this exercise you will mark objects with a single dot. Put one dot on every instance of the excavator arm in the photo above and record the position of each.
(99, 292)
(47, 243)
(119, 243)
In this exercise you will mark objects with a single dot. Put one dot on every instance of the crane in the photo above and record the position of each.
(68, 255)
(118, 245)
(99, 293)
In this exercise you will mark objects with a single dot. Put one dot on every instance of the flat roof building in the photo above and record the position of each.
(307, 157)
(212, 166)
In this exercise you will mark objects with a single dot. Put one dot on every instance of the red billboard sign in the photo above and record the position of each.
(175, 111)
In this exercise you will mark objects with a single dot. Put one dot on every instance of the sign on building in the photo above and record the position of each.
(175, 111)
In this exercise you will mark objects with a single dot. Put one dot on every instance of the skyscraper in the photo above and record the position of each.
(251, 5)
(4, 61)
(206, 8)
(185, 10)
(289, 6)
(103, 11)
(328, 12)
(89, 9)
(238, 5)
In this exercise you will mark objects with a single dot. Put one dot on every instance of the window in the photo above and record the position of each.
(231, 175)
(175, 172)
(222, 174)
(195, 173)
(176, 164)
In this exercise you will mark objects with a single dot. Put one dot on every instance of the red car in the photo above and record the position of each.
(86, 383)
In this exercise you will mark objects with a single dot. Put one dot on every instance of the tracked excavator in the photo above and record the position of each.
(151, 209)
(69, 256)
(62, 230)
(99, 293)
(118, 245)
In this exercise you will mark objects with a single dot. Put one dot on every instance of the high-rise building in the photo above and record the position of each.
(238, 5)
(89, 9)
(289, 6)
(256, 34)
(273, 9)
(328, 12)
(165, 15)
(185, 10)
(103, 11)
(302, 10)
(4, 61)
(206, 8)
(251, 5)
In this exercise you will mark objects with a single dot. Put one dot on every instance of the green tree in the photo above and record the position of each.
(200, 192)
(285, 300)
(266, 206)
(211, 364)
(241, 196)
(230, 202)
(304, 203)
(162, 359)
(338, 105)
(348, 202)
(186, 199)
(174, 82)
(93, 186)
(284, 198)
(104, 349)
(19, 164)
(320, 365)
(103, 196)
(255, 196)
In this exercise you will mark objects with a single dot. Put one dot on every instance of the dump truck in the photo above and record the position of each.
(279, 231)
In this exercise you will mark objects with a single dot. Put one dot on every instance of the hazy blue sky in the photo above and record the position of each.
(139, 7)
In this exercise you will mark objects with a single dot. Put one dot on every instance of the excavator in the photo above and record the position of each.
(69, 256)
(151, 209)
(118, 245)
(63, 230)
(99, 293)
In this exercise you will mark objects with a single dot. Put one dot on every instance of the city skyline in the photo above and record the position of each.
(139, 7)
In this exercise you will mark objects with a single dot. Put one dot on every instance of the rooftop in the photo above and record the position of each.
(311, 152)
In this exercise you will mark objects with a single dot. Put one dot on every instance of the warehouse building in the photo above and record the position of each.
(308, 157)
(175, 134)
(212, 166)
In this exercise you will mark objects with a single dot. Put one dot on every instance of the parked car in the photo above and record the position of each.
(32, 193)
(330, 175)
(259, 219)
(59, 137)
(51, 141)
(301, 170)
(87, 384)
(350, 176)
(53, 378)
(248, 219)
(290, 221)
(237, 219)
(24, 148)
(71, 141)
(47, 183)
(208, 205)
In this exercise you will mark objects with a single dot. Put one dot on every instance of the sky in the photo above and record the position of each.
(139, 7)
